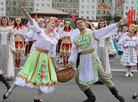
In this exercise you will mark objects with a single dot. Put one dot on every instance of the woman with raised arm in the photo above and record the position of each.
(41, 73)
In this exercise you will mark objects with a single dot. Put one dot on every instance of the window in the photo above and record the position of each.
(87, 6)
(82, 16)
(99, 6)
(127, 2)
(82, 6)
(93, 1)
(42, 5)
(126, 7)
(92, 6)
(98, 12)
(1, 9)
(2, 3)
(132, 2)
(87, 17)
(126, 13)
(37, 4)
(82, 12)
(132, 8)
(82, 0)
(104, 12)
(92, 17)
(87, 12)
(92, 12)
(37, 9)
(107, 12)
(88, 1)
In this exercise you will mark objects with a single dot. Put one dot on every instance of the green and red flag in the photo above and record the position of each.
(120, 3)
(104, 4)
(72, 21)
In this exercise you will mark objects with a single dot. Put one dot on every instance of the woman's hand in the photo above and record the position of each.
(27, 15)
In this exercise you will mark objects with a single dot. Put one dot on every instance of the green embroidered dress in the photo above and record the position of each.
(38, 71)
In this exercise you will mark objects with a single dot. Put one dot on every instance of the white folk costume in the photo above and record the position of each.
(41, 73)
(52, 52)
(104, 46)
(129, 57)
(7, 45)
(86, 45)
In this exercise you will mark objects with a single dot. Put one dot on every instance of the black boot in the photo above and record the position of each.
(90, 95)
(3, 79)
(115, 93)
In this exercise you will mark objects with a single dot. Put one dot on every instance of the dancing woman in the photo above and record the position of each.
(41, 73)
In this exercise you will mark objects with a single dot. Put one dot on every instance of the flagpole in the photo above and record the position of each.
(136, 11)
(112, 10)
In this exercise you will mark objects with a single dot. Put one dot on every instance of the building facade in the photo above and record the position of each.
(87, 9)
(69, 6)
(42, 4)
(2, 8)
(13, 7)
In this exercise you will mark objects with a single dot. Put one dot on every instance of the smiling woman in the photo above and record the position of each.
(41, 73)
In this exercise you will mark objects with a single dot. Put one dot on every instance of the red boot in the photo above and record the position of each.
(16, 63)
(19, 62)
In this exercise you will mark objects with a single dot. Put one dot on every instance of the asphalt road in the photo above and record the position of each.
(69, 92)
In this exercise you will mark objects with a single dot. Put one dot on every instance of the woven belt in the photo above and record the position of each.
(87, 52)
(42, 50)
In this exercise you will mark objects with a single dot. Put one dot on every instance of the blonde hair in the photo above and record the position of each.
(4, 17)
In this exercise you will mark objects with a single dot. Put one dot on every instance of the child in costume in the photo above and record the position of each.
(129, 44)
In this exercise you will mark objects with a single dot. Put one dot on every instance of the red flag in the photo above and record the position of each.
(104, 6)
(36, 17)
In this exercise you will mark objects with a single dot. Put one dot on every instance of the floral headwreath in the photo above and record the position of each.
(54, 19)
(132, 29)
(40, 20)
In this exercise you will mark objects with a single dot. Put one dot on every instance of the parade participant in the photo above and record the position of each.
(19, 32)
(65, 48)
(129, 44)
(61, 27)
(52, 52)
(89, 66)
(89, 25)
(41, 73)
(104, 46)
(6, 49)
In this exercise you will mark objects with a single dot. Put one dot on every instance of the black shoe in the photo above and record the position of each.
(99, 82)
(4, 80)
(35, 100)
(90, 95)
(134, 97)
(4, 96)
(115, 93)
